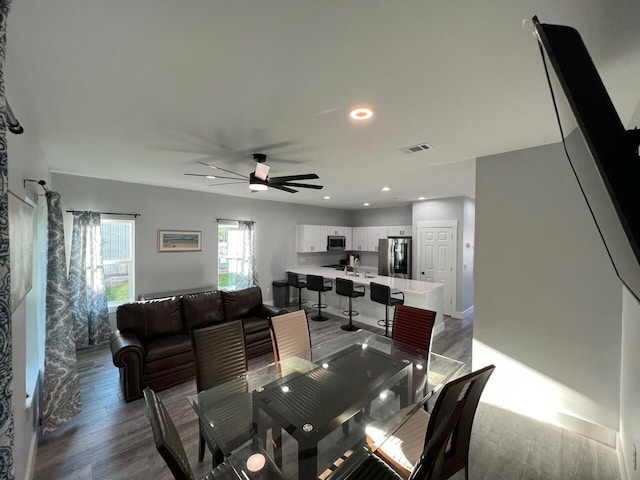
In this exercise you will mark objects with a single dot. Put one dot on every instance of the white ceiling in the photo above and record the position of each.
(140, 90)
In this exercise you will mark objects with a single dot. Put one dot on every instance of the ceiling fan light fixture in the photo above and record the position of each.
(361, 113)
(257, 184)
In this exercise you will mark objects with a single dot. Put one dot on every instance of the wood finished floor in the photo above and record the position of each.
(112, 439)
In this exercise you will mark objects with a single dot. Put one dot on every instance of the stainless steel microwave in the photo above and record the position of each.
(336, 242)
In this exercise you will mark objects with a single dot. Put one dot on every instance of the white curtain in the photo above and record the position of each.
(247, 274)
(86, 281)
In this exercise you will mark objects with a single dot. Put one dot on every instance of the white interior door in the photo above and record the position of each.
(436, 263)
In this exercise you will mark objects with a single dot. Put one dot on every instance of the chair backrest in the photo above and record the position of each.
(465, 390)
(413, 326)
(219, 353)
(380, 293)
(289, 334)
(166, 436)
(344, 287)
(293, 279)
(429, 466)
(315, 283)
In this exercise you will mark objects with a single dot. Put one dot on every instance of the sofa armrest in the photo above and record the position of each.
(123, 345)
(128, 356)
(268, 311)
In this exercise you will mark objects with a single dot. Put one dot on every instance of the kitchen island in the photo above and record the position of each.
(417, 293)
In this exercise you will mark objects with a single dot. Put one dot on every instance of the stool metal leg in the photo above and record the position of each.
(350, 327)
(319, 317)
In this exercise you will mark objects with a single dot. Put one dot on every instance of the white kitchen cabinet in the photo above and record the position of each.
(331, 230)
(373, 235)
(399, 231)
(348, 235)
(359, 241)
(311, 238)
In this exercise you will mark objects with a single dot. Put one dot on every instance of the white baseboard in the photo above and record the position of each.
(461, 315)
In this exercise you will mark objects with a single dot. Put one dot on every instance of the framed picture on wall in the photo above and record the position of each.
(179, 240)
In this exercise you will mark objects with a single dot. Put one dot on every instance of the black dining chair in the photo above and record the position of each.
(219, 355)
(382, 294)
(170, 446)
(317, 283)
(346, 288)
(413, 436)
(295, 281)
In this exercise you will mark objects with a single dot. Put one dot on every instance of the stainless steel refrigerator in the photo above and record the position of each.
(394, 257)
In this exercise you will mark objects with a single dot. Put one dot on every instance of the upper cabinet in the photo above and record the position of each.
(373, 235)
(399, 231)
(366, 238)
(359, 241)
(311, 238)
(337, 231)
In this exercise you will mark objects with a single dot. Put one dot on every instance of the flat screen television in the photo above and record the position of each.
(603, 155)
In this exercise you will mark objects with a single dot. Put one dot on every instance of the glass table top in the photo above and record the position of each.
(295, 417)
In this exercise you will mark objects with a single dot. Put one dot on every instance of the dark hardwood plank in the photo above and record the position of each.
(112, 439)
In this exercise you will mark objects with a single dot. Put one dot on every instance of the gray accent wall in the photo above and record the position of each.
(366, 217)
(462, 210)
(548, 304)
(175, 209)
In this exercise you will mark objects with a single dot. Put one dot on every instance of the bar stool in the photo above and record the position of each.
(345, 288)
(382, 294)
(317, 283)
(293, 279)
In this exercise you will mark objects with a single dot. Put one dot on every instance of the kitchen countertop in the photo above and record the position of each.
(402, 284)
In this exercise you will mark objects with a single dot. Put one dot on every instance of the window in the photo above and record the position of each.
(236, 255)
(118, 261)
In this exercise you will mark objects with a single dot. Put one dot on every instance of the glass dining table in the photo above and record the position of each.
(308, 416)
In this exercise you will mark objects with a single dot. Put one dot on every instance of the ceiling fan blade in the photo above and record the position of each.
(300, 185)
(262, 171)
(284, 189)
(223, 169)
(287, 178)
(227, 183)
(212, 177)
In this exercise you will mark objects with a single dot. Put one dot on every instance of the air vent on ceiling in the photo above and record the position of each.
(415, 148)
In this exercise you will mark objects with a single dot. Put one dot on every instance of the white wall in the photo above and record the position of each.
(460, 209)
(629, 384)
(168, 208)
(547, 301)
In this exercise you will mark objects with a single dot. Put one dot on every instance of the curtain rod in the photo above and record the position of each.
(107, 213)
(233, 220)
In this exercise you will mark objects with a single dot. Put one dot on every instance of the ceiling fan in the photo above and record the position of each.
(259, 180)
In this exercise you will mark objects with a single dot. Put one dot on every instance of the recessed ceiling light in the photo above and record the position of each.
(366, 204)
(420, 198)
(361, 113)
(385, 189)
(327, 197)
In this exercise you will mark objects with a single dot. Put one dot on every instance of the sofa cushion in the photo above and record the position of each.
(166, 347)
(242, 303)
(202, 309)
(151, 318)
(255, 324)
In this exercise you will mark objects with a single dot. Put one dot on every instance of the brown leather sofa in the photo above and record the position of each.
(152, 347)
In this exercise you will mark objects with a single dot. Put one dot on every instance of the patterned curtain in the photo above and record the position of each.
(247, 275)
(6, 353)
(61, 391)
(86, 281)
